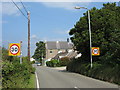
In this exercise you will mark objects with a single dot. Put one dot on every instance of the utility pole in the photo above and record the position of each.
(28, 35)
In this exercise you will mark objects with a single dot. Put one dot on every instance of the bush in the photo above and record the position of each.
(52, 63)
(32, 62)
(100, 71)
(16, 75)
(49, 64)
(72, 65)
(64, 61)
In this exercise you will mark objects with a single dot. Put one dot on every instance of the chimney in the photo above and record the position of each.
(57, 45)
(68, 40)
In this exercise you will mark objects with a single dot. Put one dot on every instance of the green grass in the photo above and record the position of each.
(32, 82)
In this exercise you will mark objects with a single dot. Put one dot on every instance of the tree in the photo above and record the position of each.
(105, 28)
(40, 51)
(5, 56)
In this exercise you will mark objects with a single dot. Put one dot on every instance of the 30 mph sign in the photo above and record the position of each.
(14, 49)
(95, 51)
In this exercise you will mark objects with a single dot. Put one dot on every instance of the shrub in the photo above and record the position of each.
(52, 63)
(32, 62)
(49, 64)
(16, 75)
(64, 61)
(100, 71)
(28, 65)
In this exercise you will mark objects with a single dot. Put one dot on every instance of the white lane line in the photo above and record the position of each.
(77, 88)
(118, 87)
(37, 80)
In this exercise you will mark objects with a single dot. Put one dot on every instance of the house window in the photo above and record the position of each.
(50, 51)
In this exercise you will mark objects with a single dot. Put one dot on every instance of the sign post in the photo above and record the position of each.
(21, 52)
(15, 50)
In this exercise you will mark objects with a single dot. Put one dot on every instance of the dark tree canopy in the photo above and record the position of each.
(40, 51)
(105, 28)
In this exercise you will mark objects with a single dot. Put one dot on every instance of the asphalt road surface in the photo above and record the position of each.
(53, 78)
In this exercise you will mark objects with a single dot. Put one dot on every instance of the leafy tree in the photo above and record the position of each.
(40, 51)
(105, 28)
(5, 56)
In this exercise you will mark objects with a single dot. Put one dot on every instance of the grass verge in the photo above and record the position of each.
(32, 81)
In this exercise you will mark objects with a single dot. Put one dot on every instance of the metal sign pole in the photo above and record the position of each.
(21, 52)
(90, 38)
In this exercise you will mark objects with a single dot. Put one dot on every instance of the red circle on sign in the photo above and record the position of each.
(17, 51)
(93, 51)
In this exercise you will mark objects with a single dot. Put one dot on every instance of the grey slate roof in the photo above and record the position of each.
(51, 45)
(60, 54)
(58, 45)
(71, 54)
(64, 45)
(66, 54)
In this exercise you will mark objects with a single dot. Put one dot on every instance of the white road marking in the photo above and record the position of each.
(37, 81)
(118, 87)
(77, 88)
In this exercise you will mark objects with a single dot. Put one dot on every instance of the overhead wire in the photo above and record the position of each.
(24, 6)
(19, 9)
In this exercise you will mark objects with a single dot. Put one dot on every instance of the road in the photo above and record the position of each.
(53, 78)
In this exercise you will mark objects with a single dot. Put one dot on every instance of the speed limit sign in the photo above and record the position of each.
(14, 49)
(95, 51)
